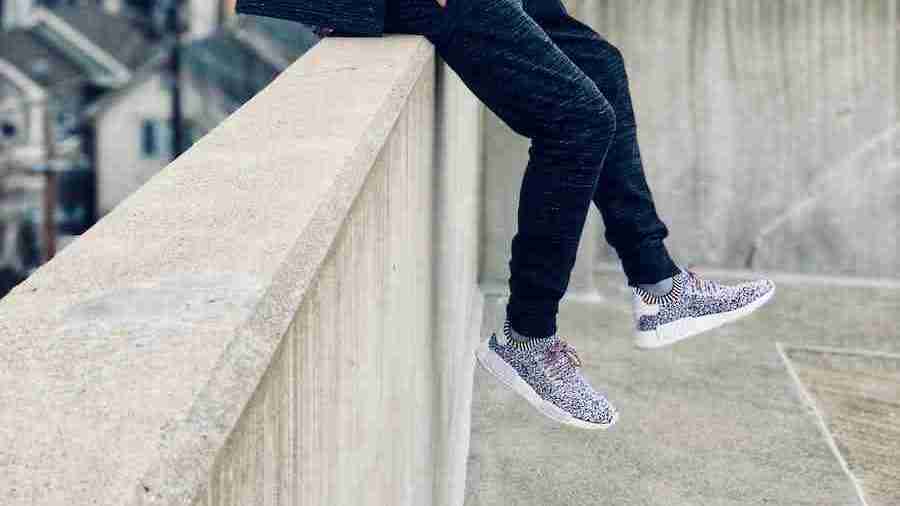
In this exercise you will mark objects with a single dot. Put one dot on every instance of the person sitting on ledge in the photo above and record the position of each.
(553, 79)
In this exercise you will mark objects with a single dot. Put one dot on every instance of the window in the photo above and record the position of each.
(150, 138)
(156, 138)
(7, 130)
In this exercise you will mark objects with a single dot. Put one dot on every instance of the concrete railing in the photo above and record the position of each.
(284, 315)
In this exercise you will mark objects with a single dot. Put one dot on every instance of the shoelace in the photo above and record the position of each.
(703, 285)
(561, 359)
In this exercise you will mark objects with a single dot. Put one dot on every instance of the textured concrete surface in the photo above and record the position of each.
(458, 307)
(256, 324)
(368, 397)
(713, 420)
(747, 107)
(766, 128)
(857, 395)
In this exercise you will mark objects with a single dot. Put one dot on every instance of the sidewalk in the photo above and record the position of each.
(715, 420)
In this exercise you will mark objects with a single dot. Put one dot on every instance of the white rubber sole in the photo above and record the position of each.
(684, 328)
(494, 364)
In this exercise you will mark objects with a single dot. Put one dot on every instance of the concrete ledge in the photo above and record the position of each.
(855, 397)
(127, 361)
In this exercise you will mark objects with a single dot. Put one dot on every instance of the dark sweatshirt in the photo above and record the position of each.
(337, 17)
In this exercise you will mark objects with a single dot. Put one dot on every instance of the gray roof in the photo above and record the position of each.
(225, 61)
(288, 39)
(45, 65)
(124, 37)
(230, 64)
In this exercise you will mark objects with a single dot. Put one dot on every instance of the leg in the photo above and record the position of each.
(508, 62)
(622, 196)
(511, 64)
(694, 304)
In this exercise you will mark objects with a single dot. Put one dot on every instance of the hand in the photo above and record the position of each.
(442, 3)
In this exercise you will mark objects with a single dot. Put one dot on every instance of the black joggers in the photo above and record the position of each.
(553, 79)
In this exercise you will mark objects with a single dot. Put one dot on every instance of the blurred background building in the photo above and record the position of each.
(98, 96)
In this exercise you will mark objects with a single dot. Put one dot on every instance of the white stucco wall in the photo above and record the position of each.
(767, 129)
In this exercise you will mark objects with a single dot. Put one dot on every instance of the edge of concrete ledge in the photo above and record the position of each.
(239, 371)
(171, 469)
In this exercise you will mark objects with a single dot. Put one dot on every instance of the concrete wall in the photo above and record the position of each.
(283, 315)
(458, 304)
(768, 131)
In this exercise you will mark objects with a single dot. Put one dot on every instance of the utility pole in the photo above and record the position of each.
(4, 172)
(49, 185)
(175, 28)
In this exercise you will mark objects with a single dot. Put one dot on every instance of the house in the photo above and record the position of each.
(131, 128)
(39, 81)
(53, 65)
(99, 83)
(204, 15)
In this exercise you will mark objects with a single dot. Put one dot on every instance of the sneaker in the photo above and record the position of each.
(546, 373)
(694, 305)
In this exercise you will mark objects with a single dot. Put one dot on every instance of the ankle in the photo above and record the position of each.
(521, 340)
(660, 288)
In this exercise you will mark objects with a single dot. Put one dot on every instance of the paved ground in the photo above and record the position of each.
(717, 420)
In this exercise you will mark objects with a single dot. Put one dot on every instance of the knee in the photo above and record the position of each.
(603, 116)
(596, 126)
(582, 130)
(586, 111)
(581, 126)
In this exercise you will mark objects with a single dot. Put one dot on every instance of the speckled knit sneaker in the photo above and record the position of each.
(545, 372)
(694, 305)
